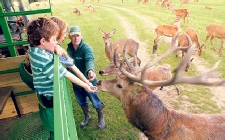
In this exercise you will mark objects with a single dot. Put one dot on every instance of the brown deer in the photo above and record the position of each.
(208, 8)
(184, 2)
(195, 39)
(166, 30)
(184, 41)
(145, 111)
(91, 8)
(166, 4)
(216, 30)
(110, 46)
(183, 13)
(76, 11)
(159, 73)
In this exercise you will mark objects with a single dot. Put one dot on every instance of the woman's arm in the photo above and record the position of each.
(79, 82)
(79, 74)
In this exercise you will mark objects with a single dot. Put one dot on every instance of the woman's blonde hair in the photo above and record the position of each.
(62, 25)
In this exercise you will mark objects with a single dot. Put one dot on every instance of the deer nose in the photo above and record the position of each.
(101, 72)
(99, 83)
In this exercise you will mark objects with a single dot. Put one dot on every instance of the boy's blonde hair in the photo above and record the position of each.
(39, 28)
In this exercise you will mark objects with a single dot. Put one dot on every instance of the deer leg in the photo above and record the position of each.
(207, 37)
(155, 46)
(221, 48)
(178, 91)
(211, 41)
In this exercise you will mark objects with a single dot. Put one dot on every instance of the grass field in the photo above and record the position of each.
(109, 15)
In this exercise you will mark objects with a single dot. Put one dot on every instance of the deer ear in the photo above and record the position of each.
(112, 32)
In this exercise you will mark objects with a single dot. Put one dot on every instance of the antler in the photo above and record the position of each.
(178, 78)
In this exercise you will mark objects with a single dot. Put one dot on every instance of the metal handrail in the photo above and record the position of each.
(64, 123)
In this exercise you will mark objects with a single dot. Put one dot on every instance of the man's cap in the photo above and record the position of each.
(75, 30)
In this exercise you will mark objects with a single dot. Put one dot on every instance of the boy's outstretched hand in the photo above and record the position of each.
(91, 88)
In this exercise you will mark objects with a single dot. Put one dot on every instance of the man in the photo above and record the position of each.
(83, 57)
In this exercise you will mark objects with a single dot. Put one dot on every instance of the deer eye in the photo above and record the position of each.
(119, 86)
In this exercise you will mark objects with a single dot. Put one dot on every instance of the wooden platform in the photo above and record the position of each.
(26, 102)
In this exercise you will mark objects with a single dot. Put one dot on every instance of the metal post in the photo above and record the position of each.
(6, 32)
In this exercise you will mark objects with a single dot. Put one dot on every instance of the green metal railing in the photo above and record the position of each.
(6, 31)
(64, 123)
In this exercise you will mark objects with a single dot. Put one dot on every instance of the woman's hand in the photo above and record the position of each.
(91, 75)
(58, 50)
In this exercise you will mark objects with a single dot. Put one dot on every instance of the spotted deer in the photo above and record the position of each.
(132, 48)
(145, 111)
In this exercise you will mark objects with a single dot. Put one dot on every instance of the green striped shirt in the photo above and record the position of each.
(42, 65)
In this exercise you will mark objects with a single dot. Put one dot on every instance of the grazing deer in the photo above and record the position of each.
(166, 30)
(215, 30)
(208, 8)
(184, 2)
(145, 111)
(75, 10)
(183, 13)
(91, 9)
(110, 46)
(195, 39)
(184, 41)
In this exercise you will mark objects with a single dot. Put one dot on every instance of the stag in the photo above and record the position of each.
(110, 46)
(215, 30)
(158, 73)
(145, 111)
(166, 30)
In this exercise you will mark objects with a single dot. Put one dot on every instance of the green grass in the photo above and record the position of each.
(106, 18)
